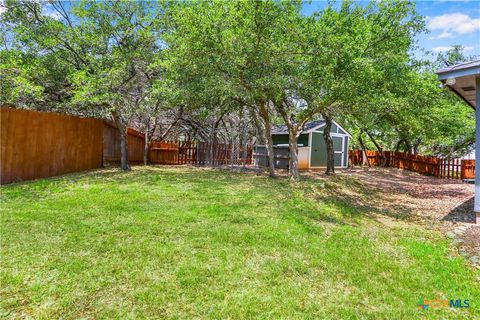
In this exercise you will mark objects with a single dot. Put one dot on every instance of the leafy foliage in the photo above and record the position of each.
(212, 59)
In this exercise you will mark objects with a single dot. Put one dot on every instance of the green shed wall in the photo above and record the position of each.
(283, 139)
(318, 148)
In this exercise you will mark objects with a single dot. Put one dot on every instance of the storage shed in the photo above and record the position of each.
(312, 151)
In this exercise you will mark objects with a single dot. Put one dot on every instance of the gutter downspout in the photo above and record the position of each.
(476, 208)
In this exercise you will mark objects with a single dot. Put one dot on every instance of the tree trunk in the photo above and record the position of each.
(268, 138)
(270, 152)
(243, 138)
(364, 149)
(210, 145)
(293, 133)
(124, 161)
(232, 153)
(329, 143)
(380, 150)
(146, 149)
(122, 128)
(293, 161)
(408, 146)
(416, 145)
(399, 143)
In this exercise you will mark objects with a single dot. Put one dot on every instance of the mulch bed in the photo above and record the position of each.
(444, 204)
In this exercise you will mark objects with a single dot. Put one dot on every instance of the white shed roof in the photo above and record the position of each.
(307, 127)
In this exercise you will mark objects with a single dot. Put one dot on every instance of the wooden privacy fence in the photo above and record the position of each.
(164, 152)
(43, 144)
(199, 153)
(429, 165)
(111, 144)
(37, 144)
(422, 164)
(468, 169)
(356, 157)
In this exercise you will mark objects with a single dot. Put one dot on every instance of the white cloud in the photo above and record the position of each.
(446, 48)
(453, 23)
(441, 49)
(443, 35)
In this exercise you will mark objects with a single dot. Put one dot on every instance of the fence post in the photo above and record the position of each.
(197, 154)
(179, 151)
(231, 154)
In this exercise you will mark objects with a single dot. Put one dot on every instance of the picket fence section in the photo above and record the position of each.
(428, 165)
(199, 153)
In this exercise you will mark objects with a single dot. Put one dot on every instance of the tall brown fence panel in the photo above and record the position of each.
(44, 144)
(355, 157)
(111, 145)
(164, 152)
(136, 145)
(422, 164)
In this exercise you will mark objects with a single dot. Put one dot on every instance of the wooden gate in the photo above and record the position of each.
(468, 169)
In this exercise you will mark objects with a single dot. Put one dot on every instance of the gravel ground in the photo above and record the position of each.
(439, 203)
(445, 201)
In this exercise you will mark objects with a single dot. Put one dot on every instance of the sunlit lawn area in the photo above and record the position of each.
(183, 243)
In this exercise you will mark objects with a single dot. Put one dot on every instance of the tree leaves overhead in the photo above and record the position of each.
(212, 58)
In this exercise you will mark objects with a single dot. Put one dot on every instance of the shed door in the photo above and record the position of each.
(319, 150)
(338, 143)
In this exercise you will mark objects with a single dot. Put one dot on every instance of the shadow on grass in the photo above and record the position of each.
(357, 199)
(408, 182)
(137, 174)
(332, 205)
(336, 200)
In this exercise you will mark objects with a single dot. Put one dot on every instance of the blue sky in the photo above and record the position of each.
(449, 22)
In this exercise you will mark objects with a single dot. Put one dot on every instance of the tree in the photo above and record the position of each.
(362, 47)
(239, 48)
(107, 46)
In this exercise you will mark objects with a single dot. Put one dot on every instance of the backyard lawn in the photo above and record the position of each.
(180, 242)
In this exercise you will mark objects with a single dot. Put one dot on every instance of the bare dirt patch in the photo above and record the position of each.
(428, 198)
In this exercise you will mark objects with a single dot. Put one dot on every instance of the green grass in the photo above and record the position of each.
(191, 243)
